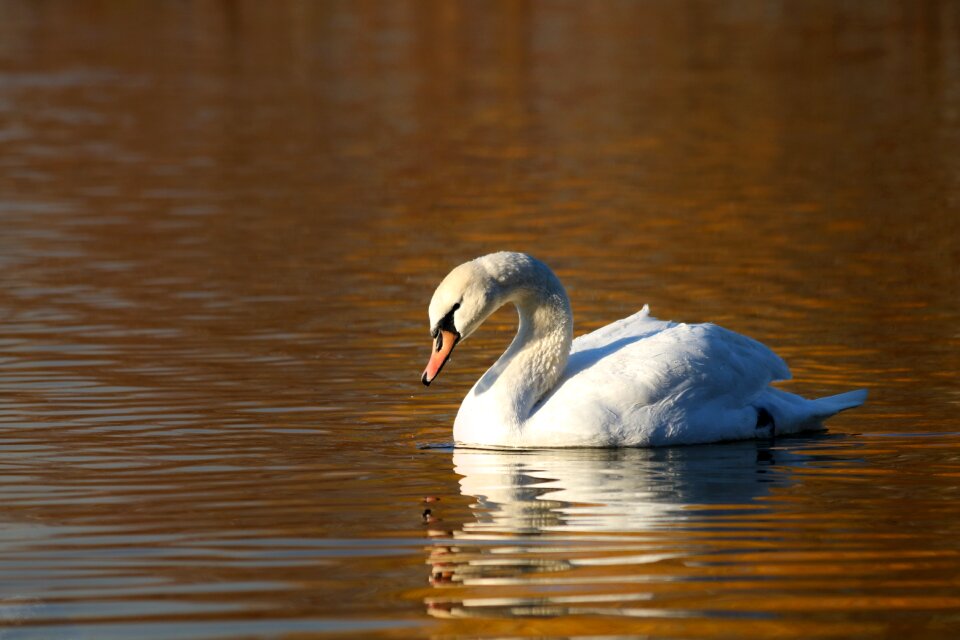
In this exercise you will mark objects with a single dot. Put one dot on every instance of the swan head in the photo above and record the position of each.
(465, 298)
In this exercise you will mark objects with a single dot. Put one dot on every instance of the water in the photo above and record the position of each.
(221, 225)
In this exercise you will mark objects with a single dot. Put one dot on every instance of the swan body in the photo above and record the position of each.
(634, 383)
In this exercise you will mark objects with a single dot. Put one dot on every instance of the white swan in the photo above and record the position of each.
(633, 383)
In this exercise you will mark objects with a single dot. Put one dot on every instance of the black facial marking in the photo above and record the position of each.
(445, 324)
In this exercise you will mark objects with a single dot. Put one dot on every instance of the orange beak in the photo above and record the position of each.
(446, 341)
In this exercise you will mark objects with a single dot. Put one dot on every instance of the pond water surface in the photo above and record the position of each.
(220, 226)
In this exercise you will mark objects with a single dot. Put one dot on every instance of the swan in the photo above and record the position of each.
(638, 382)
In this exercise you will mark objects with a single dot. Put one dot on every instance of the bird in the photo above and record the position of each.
(637, 382)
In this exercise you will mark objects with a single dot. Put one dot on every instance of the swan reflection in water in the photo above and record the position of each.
(568, 529)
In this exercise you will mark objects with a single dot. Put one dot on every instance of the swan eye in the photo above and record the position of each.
(455, 307)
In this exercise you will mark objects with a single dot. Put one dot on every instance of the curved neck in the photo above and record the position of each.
(535, 360)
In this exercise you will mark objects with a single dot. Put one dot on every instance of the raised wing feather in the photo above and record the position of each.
(637, 325)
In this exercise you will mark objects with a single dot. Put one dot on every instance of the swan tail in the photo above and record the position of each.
(826, 407)
(786, 412)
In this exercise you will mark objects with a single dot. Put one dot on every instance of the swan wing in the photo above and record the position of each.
(642, 381)
(639, 344)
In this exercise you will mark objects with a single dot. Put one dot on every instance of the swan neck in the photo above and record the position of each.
(538, 355)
